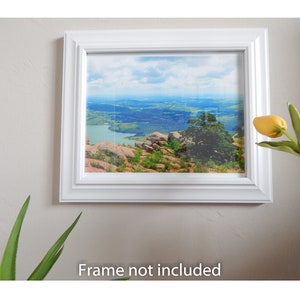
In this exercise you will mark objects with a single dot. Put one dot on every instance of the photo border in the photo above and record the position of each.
(255, 186)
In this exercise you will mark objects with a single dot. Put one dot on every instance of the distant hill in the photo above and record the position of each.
(141, 117)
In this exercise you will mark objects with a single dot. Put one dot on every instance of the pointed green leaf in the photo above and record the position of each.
(8, 264)
(285, 146)
(41, 272)
(52, 255)
(122, 278)
(295, 117)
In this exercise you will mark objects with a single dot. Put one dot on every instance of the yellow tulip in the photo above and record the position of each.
(272, 126)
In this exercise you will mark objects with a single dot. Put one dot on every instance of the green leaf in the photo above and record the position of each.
(122, 278)
(295, 117)
(52, 255)
(285, 146)
(8, 264)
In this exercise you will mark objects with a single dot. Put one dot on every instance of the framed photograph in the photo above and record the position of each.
(164, 116)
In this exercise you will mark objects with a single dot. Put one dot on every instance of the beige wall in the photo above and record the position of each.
(251, 241)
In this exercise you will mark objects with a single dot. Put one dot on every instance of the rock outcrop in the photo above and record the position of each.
(106, 156)
(177, 136)
(154, 154)
(157, 153)
(120, 151)
(154, 141)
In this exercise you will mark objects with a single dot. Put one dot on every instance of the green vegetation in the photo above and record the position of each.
(121, 167)
(151, 161)
(174, 145)
(8, 262)
(239, 153)
(204, 146)
(123, 127)
(137, 156)
(109, 157)
(200, 168)
(97, 118)
(96, 165)
(210, 140)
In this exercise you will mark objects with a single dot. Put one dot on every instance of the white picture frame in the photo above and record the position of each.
(254, 186)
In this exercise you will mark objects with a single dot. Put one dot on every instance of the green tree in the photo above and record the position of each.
(209, 140)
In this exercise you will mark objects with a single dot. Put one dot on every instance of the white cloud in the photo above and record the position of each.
(142, 74)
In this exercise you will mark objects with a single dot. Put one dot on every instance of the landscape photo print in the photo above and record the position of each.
(168, 112)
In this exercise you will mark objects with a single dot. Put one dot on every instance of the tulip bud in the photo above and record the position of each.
(272, 126)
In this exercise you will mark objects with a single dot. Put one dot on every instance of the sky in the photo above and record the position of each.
(164, 74)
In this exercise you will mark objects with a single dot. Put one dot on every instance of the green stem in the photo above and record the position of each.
(289, 136)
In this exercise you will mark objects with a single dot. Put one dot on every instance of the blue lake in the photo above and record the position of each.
(101, 133)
